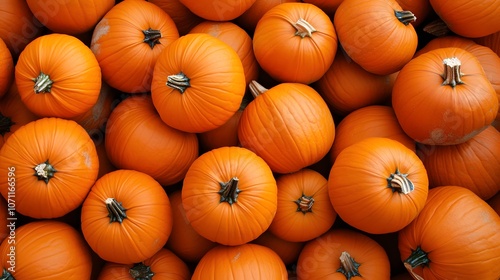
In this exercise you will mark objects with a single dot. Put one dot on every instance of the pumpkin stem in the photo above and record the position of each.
(5, 124)
(229, 191)
(304, 28)
(256, 89)
(348, 266)
(416, 258)
(6, 275)
(400, 182)
(44, 171)
(141, 271)
(437, 28)
(305, 203)
(43, 83)
(151, 37)
(116, 212)
(406, 17)
(452, 75)
(179, 82)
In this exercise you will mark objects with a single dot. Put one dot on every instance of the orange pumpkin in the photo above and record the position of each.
(455, 227)
(183, 18)
(421, 9)
(57, 75)
(229, 195)
(287, 250)
(295, 42)
(220, 10)
(328, 6)
(7, 70)
(55, 164)
(4, 216)
(198, 83)
(491, 41)
(249, 19)
(383, 180)
(126, 218)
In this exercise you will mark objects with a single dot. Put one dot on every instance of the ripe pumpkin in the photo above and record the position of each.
(295, 42)
(444, 97)
(126, 218)
(46, 249)
(229, 195)
(491, 41)
(383, 180)
(304, 208)
(287, 250)
(376, 34)
(246, 261)
(281, 125)
(183, 18)
(4, 230)
(162, 265)
(220, 10)
(57, 75)
(55, 164)
(7, 70)
(455, 227)
(328, 6)
(343, 254)
(69, 16)
(136, 138)
(249, 19)
(127, 42)
(198, 83)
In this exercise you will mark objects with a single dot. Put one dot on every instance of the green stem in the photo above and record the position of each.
(348, 266)
(151, 37)
(6, 275)
(417, 257)
(179, 82)
(229, 191)
(406, 17)
(141, 271)
(304, 28)
(44, 171)
(400, 182)
(5, 124)
(304, 203)
(452, 75)
(43, 83)
(116, 212)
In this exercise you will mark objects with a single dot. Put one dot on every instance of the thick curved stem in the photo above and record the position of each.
(348, 266)
(43, 83)
(44, 171)
(141, 271)
(179, 82)
(304, 203)
(151, 37)
(5, 124)
(256, 89)
(406, 17)
(304, 28)
(452, 75)
(116, 212)
(417, 257)
(400, 182)
(6, 275)
(229, 191)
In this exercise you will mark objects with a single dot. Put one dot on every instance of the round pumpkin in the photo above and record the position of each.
(127, 42)
(378, 185)
(220, 10)
(55, 164)
(127, 217)
(57, 75)
(46, 249)
(444, 97)
(198, 83)
(183, 18)
(7, 70)
(455, 227)
(229, 195)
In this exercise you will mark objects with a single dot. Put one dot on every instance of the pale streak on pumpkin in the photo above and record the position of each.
(100, 30)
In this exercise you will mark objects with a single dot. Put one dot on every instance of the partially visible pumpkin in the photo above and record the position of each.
(220, 10)
(328, 6)
(287, 250)
(422, 10)
(249, 19)
(5, 231)
(183, 18)
(7, 69)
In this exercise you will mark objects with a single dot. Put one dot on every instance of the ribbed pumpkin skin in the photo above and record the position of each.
(216, 83)
(288, 251)
(222, 10)
(68, 148)
(48, 249)
(290, 126)
(455, 227)
(118, 43)
(320, 258)
(452, 164)
(73, 69)
(247, 261)
(7, 70)
(219, 221)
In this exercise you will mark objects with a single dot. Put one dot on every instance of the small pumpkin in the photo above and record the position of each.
(7, 70)
(220, 10)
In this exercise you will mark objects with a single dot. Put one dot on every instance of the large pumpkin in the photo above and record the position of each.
(444, 97)
(57, 75)
(218, 10)
(55, 164)
(127, 217)
(198, 83)
(128, 40)
(455, 236)
(229, 195)
(378, 185)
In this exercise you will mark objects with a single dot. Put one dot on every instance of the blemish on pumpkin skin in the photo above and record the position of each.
(100, 30)
(236, 257)
(88, 160)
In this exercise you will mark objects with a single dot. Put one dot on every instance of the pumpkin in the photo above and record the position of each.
(369, 121)
(246, 261)
(343, 254)
(127, 42)
(451, 164)
(249, 19)
(198, 83)
(470, 19)
(7, 70)
(136, 138)
(282, 125)
(376, 34)
(184, 241)
(494, 202)
(343, 95)
(46, 249)
(421, 9)
(55, 164)
(238, 39)
(220, 10)
(162, 265)
(4, 215)
(444, 97)
(383, 180)
(328, 6)
(57, 75)
(287, 250)
(491, 41)
(229, 195)
(183, 18)
(69, 16)
(455, 236)
(304, 208)
(295, 42)
(127, 217)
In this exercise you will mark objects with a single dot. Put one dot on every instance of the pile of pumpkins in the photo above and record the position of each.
(250, 139)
